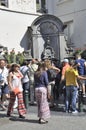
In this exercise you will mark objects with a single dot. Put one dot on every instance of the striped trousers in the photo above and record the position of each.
(43, 106)
(21, 106)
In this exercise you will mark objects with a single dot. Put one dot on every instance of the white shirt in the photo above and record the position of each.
(4, 73)
(24, 69)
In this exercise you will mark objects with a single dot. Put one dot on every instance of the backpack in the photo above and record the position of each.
(51, 74)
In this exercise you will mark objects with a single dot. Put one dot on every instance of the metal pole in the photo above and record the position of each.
(80, 101)
(26, 99)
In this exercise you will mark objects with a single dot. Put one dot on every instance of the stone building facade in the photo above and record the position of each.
(73, 15)
(15, 18)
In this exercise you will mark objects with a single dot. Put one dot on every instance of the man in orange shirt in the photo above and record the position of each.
(65, 67)
(62, 82)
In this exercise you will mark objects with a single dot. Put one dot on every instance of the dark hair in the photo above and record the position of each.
(24, 63)
(13, 67)
(73, 64)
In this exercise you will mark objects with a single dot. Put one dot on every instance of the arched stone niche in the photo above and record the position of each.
(43, 28)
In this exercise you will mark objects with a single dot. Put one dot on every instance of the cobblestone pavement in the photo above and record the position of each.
(59, 120)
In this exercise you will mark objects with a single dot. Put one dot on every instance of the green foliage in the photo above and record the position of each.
(19, 58)
(13, 58)
(77, 52)
(7, 57)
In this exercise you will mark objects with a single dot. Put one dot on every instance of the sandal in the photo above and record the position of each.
(42, 121)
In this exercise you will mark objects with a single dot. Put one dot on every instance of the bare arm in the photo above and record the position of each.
(10, 77)
(85, 64)
(62, 78)
(20, 74)
(55, 68)
(81, 77)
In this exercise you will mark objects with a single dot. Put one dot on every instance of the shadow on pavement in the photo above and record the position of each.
(57, 108)
(23, 120)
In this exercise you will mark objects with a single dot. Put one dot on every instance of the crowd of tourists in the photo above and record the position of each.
(42, 82)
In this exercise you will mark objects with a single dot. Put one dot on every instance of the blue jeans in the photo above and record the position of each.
(26, 94)
(71, 94)
(26, 86)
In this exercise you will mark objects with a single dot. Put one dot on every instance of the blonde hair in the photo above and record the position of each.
(48, 63)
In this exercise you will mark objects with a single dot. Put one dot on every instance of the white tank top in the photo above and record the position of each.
(16, 82)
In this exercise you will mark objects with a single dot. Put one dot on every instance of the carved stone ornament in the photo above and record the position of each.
(27, 54)
(48, 53)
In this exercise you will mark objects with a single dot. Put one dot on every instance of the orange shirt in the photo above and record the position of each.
(65, 68)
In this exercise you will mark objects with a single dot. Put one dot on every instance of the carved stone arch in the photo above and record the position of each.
(48, 19)
(44, 27)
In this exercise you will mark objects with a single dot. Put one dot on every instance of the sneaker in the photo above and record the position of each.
(74, 112)
(66, 112)
(69, 111)
(84, 95)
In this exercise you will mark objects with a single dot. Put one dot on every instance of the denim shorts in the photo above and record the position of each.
(4, 89)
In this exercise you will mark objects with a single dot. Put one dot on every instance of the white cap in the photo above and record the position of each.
(66, 60)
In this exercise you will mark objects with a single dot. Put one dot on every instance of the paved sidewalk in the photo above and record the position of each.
(59, 121)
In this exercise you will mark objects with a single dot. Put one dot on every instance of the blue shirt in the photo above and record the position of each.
(41, 81)
(81, 67)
